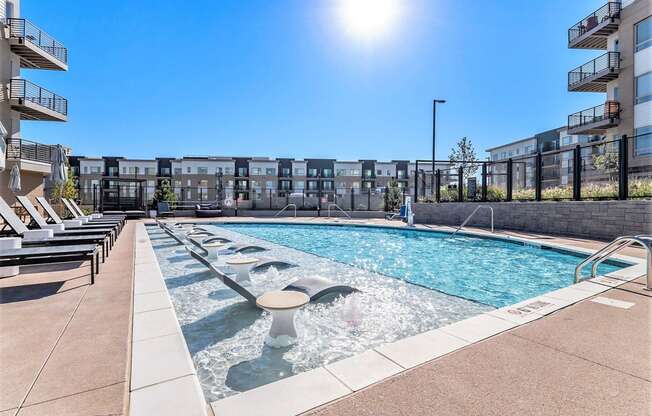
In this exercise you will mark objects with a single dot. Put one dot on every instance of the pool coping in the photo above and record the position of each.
(314, 388)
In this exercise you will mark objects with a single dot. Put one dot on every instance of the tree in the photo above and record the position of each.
(164, 193)
(392, 196)
(607, 162)
(462, 155)
(68, 189)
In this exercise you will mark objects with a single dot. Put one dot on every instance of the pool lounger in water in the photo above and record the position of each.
(246, 248)
(314, 287)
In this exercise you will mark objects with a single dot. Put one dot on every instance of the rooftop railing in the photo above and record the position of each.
(28, 150)
(610, 10)
(24, 29)
(606, 111)
(28, 91)
(607, 61)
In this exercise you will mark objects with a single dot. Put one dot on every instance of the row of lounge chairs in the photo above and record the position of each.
(53, 240)
(315, 287)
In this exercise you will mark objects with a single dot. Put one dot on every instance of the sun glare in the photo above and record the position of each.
(368, 19)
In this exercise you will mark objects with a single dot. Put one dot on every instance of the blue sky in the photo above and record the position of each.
(283, 78)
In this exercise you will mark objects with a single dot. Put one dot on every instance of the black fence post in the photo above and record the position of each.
(538, 174)
(509, 179)
(352, 199)
(623, 168)
(484, 182)
(577, 173)
(368, 199)
(303, 199)
(94, 198)
(270, 198)
(416, 181)
(438, 186)
(460, 184)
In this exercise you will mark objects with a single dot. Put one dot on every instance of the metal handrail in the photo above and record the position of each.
(608, 61)
(472, 214)
(609, 11)
(24, 29)
(338, 207)
(286, 207)
(614, 247)
(608, 110)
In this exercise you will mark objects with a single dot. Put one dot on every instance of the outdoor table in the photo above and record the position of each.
(242, 265)
(212, 249)
(283, 305)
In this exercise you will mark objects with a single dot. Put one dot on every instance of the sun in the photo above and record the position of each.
(368, 19)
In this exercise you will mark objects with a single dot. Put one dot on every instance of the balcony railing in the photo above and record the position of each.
(26, 30)
(28, 150)
(21, 89)
(608, 113)
(605, 15)
(594, 75)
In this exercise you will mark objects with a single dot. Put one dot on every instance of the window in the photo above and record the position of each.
(113, 171)
(643, 141)
(327, 173)
(529, 149)
(269, 184)
(616, 94)
(299, 171)
(368, 173)
(85, 169)
(189, 183)
(388, 172)
(243, 172)
(355, 185)
(255, 171)
(133, 170)
(312, 185)
(286, 185)
(96, 169)
(503, 155)
(328, 185)
(643, 34)
(228, 171)
(298, 185)
(379, 172)
(188, 169)
(285, 172)
(400, 174)
(202, 170)
(74, 170)
(270, 171)
(151, 184)
(150, 171)
(177, 171)
(566, 140)
(644, 88)
(341, 172)
(312, 173)
(177, 184)
(124, 170)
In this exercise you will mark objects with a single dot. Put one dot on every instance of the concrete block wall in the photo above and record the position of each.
(602, 220)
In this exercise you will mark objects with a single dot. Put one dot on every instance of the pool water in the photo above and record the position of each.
(490, 271)
(225, 334)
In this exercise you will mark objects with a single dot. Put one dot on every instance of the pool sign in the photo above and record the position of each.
(471, 187)
(228, 202)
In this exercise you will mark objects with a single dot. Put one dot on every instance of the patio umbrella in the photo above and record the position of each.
(14, 179)
(59, 160)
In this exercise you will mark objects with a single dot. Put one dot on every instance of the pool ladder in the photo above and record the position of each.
(612, 248)
(286, 207)
(338, 207)
(472, 214)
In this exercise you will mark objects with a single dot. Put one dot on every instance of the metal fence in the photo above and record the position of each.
(592, 171)
(26, 30)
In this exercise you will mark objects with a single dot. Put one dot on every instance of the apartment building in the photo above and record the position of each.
(622, 74)
(25, 47)
(250, 180)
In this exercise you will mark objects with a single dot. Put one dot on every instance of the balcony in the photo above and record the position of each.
(594, 75)
(30, 156)
(592, 31)
(36, 103)
(36, 49)
(595, 120)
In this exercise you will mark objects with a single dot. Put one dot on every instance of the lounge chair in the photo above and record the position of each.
(246, 248)
(70, 223)
(88, 219)
(60, 229)
(47, 237)
(314, 287)
(401, 214)
(46, 255)
(163, 209)
(96, 215)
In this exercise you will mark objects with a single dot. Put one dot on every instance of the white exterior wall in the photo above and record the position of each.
(213, 166)
(140, 164)
(86, 166)
(517, 149)
(348, 167)
(263, 165)
(301, 165)
(384, 167)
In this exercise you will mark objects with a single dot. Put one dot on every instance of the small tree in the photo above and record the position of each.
(68, 189)
(607, 162)
(164, 193)
(392, 196)
(462, 155)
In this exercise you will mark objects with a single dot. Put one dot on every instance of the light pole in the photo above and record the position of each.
(434, 126)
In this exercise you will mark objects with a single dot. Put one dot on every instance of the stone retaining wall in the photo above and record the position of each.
(603, 220)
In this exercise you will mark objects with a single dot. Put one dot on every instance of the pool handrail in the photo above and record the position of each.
(612, 248)
(472, 214)
(338, 207)
(286, 207)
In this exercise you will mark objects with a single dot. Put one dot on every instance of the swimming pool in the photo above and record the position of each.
(490, 271)
(395, 270)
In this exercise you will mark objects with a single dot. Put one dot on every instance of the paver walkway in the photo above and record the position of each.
(587, 359)
(64, 345)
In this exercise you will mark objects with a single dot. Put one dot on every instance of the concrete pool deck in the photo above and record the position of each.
(66, 349)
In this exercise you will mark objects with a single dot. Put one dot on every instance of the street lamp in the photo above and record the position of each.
(434, 119)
